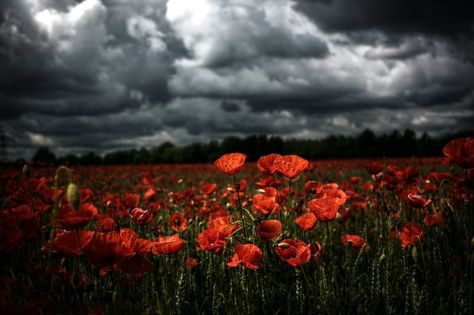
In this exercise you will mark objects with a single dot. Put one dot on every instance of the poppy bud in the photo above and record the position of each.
(413, 253)
(73, 196)
(381, 258)
(26, 170)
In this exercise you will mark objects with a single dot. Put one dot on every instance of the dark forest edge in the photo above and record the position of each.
(366, 144)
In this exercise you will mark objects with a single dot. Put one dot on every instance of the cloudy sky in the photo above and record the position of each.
(112, 74)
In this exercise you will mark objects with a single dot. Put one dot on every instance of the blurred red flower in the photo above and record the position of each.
(460, 152)
(247, 254)
(231, 163)
(355, 241)
(70, 243)
(141, 217)
(131, 200)
(290, 166)
(410, 234)
(208, 188)
(418, 201)
(434, 219)
(178, 222)
(166, 245)
(269, 229)
(191, 262)
(70, 219)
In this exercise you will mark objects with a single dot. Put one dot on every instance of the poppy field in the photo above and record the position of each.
(280, 236)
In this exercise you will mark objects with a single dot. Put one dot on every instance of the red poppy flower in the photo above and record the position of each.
(290, 166)
(178, 222)
(356, 242)
(231, 163)
(306, 221)
(418, 201)
(215, 239)
(70, 243)
(460, 152)
(139, 245)
(207, 188)
(191, 262)
(410, 234)
(434, 219)
(70, 218)
(107, 249)
(313, 187)
(141, 217)
(265, 163)
(131, 200)
(166, 245)
(266, 203)
(325, 208)
(293, 252)
(247, 254)
(149, 194)
(374, 168)
(104, 222)
(269, 229)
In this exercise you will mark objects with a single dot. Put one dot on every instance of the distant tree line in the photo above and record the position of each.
(367, 144)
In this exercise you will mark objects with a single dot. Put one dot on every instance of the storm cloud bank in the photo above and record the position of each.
(113, 74)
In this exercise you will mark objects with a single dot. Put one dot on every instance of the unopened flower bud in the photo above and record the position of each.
(73, 196)
(414, 253)
(382, 258)
(26, 170)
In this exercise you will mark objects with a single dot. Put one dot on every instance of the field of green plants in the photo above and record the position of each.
(280, 236)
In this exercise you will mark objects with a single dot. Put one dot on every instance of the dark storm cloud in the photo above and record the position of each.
(449, 18)
(115, 74)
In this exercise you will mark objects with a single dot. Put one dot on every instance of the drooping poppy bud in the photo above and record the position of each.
(26, 170)
(73, 195)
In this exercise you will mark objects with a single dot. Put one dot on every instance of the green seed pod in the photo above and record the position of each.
(26, 170)
(73, 196)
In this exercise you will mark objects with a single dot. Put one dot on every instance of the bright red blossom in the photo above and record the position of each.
(247, 254)
(266, 203)
(325, 208)
(231, 163)
(293, 252)
(269, 229)
(306, 221)
(265, 163)
(290, 166)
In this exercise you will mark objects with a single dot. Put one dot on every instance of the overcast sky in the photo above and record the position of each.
(114, 74)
